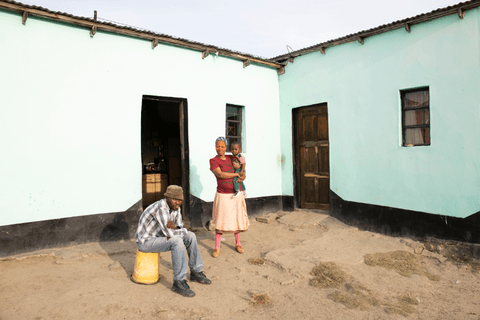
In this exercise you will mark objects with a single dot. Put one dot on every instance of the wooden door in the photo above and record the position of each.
(313, 157)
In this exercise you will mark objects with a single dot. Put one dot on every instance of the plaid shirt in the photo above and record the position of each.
(153, 222)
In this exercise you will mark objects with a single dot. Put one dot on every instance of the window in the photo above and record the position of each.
(415, 117)
(233, 128)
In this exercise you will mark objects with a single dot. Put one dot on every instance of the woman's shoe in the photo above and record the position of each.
(240, 249)
(216, 253)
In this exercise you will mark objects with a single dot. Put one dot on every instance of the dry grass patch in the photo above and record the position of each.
(327, 275)
(357, 296)
(261, 298)
(257, 261)
(403, 262)
(404, 307)
(407, 299)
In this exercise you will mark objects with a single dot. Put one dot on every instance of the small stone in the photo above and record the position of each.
(268, 218)
(429, 246)
(284, 283)
(419, 249)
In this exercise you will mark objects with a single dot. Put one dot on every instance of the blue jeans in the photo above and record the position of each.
(177, 246)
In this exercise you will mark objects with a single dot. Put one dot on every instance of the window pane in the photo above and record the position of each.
(416, 99)
(230, 141)
(413, 117)
(232, 128)
(233, 113)
(414, 136)
(416, 113)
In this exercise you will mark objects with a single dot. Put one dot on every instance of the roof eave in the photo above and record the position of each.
(155, 38)
(459, 9)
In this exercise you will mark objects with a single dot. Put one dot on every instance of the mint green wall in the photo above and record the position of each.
(361, 83)
(70, 117)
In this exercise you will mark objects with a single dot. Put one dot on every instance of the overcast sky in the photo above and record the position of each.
(258, 27)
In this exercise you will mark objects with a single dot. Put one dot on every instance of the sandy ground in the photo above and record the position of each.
(93, 281)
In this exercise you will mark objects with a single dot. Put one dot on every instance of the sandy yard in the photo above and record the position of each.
(271, 280)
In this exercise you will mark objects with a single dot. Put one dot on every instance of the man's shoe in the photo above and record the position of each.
(199, 277)
(181, 287)
(216, 253)
(236, 194)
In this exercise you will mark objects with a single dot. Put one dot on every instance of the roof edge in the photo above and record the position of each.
(94, 25)
(459, 9)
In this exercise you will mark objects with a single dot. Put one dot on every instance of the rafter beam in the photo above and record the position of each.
(154, 43)
(361, 40)
(205, 54)
(246, 63)
(24, 17)
(280, 70)
(93, 31)
(322, 50)
(461, 13)
(408, 27)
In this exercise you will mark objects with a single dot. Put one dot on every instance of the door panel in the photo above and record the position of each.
(313, 157)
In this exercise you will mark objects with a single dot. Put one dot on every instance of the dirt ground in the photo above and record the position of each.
(271, 280)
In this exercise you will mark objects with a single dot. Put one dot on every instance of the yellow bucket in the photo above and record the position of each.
(146, 268)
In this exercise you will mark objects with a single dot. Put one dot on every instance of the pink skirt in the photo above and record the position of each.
(229, 213)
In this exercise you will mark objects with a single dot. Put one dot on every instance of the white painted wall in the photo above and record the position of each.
(70, 108)
(361, 85)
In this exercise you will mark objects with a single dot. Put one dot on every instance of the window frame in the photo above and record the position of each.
(239, 115)
(404, 110)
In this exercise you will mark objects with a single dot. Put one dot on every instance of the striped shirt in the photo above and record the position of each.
(153, 222)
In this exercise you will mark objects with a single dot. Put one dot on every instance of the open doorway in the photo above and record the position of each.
(164, 148)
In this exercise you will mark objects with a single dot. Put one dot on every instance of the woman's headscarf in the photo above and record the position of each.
(221, 139)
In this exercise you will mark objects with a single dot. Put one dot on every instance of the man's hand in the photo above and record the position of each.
(171, 224)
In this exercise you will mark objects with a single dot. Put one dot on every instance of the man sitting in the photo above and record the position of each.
(160, 229)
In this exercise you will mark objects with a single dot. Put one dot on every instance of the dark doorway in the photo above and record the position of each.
(311, 149)
(164, 148)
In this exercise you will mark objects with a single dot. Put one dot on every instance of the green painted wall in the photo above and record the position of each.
(70, 108)
(361, 84)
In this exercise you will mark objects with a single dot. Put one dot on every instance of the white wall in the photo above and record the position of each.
(70, 108)
(361, 85)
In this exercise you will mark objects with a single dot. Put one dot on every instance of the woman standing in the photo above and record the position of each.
(229, 213)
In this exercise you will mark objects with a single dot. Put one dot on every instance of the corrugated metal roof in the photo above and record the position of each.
(60, 16)
(274, 62)
(381, 29)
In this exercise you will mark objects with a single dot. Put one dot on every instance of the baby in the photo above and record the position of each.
(239, 165)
